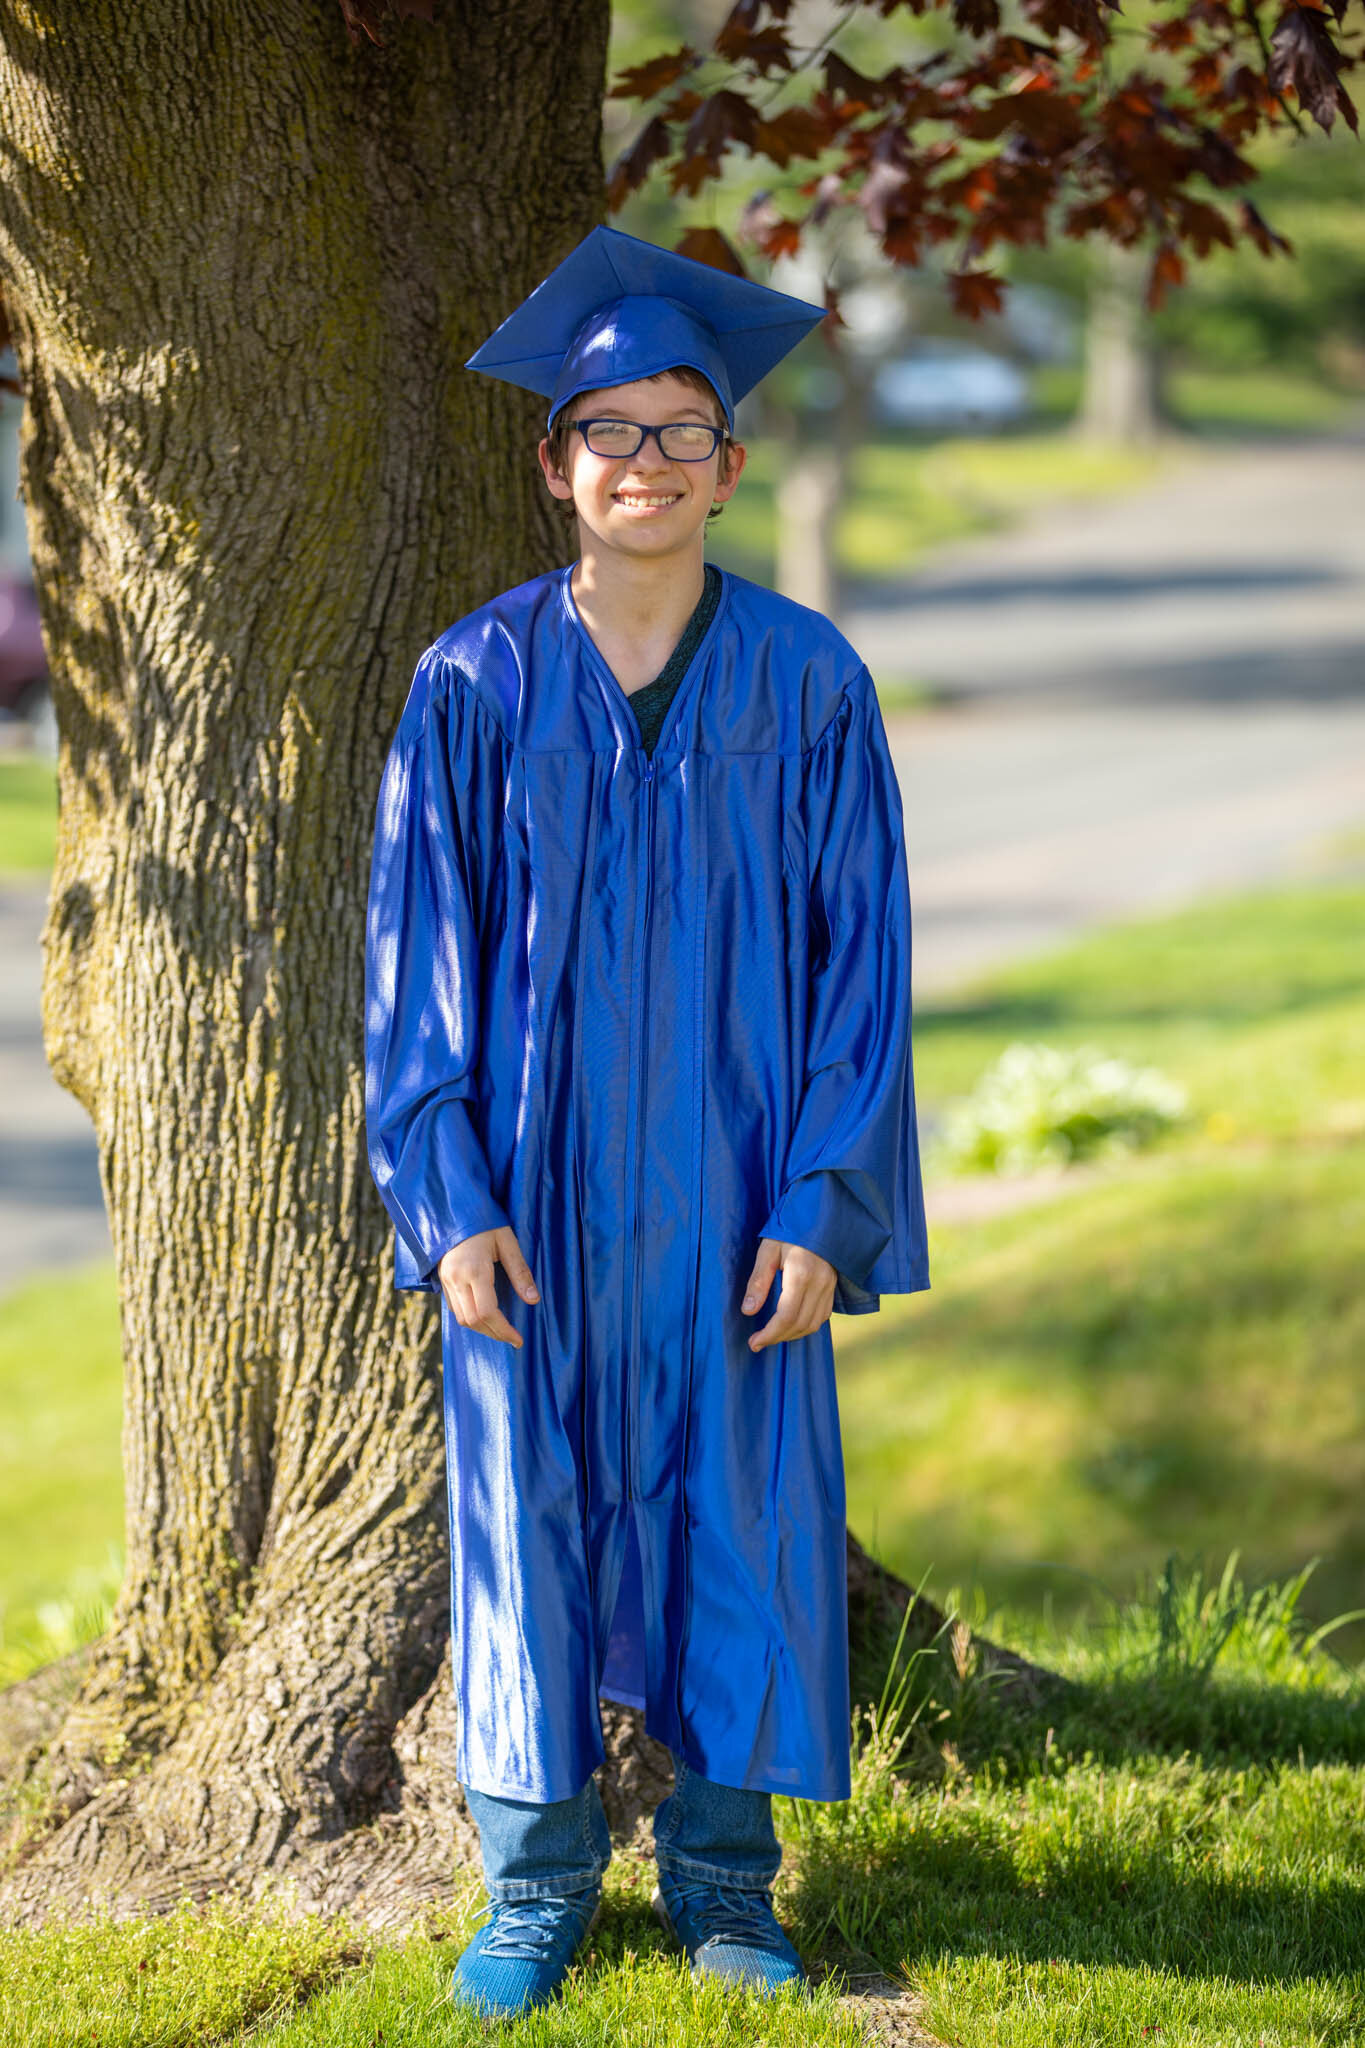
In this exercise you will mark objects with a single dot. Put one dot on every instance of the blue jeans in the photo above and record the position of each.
(702, 1830)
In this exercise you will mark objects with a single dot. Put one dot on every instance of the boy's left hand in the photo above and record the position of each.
(808, 1283)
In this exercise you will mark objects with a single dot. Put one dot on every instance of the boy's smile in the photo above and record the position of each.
(645, 504)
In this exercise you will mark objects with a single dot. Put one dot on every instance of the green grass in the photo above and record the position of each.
(908, 497)
(28, 815)
(1169, 1357)
(1222, 402)
(1172, 1849)
(911, 494)
(1256, 1002)
(61, 1488)
(1165, 1361)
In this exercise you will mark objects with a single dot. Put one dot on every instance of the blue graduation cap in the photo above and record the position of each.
(618, 308)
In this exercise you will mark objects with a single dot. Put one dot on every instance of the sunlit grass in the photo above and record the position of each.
(1172, 1849)
(195, 1975)
(908, 496)
(1222, 402)
(1167, 1358)
(1165, 1361)
(28, 814)
(61, 1486)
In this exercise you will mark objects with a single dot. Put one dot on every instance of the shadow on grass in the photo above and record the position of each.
(1229, 1722)
(1007, 1015)
(944, 1890)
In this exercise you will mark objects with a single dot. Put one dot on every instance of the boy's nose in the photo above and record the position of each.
(649, 455)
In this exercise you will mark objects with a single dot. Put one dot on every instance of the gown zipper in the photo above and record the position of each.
(645, 905)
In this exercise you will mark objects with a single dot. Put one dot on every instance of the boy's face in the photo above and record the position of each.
(643, 505)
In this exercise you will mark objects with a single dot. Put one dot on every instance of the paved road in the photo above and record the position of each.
(1152, 699)
(51, 1206)
(1240, 572)
(1145, 700)
(1025, 825)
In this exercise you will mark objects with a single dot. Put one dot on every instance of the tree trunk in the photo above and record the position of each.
(1121, 397)
(244, 262)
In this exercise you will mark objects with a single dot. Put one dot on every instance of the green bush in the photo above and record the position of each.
(1043, 1105)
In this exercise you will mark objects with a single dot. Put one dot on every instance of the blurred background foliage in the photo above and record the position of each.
(1300, 317)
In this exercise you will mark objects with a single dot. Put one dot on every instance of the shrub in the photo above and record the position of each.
(1040, 1106)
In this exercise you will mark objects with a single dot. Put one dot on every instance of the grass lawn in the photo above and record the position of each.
(28, 814)
(61, 1487)
(1169, 1358)
(1220, 403)
(908, 496)
(1175, 1852)
(1165, 1360)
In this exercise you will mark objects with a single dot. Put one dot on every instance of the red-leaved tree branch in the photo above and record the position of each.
(1005, 137)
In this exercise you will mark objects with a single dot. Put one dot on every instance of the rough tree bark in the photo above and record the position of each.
(243, 262)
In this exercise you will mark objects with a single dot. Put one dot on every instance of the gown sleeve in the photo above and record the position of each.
(851, 1187)
(441, 788)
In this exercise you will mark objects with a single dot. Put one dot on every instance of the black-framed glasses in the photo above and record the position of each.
(679, 440)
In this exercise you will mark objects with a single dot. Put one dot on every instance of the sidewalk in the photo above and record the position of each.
(1239, 571)
(51, 1205)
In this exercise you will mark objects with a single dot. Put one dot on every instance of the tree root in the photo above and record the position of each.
(142, 1842)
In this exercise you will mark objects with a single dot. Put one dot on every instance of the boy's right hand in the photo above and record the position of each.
(468, 1282)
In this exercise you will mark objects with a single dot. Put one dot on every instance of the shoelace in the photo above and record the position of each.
(731, 1913)
(527, 1928)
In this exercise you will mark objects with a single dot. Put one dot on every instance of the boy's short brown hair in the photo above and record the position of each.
(564, 418)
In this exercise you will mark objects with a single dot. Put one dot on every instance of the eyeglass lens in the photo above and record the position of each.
(680, 440)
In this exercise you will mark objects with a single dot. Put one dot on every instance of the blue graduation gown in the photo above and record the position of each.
(647, 1011)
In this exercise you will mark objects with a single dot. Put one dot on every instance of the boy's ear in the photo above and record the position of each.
(737, 455)
(559, 485)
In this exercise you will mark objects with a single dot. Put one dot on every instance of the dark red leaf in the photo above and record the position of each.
(1168, 267)
(689, 174)
(855, 88)
(976, 17)
(682, 106)
(903, 242)
(1262, 234)
(1050, 119)
(782, 239)
(975, 292)
(1205, 73)
(644, 81)
(633, 165)
(362, 18)
(761, 50)
(796, 131)
(708, 245)
(1304, 60)
(1202, 225)
(1214, 158)
(724, 118)
(747, 14)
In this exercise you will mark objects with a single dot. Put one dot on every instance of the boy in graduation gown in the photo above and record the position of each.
(640, 1104)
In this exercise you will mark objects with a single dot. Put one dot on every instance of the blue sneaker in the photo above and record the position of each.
(728, 1932)
(522, 1953)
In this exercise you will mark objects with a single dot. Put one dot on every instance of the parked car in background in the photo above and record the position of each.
(949, 386)
(23, 661)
